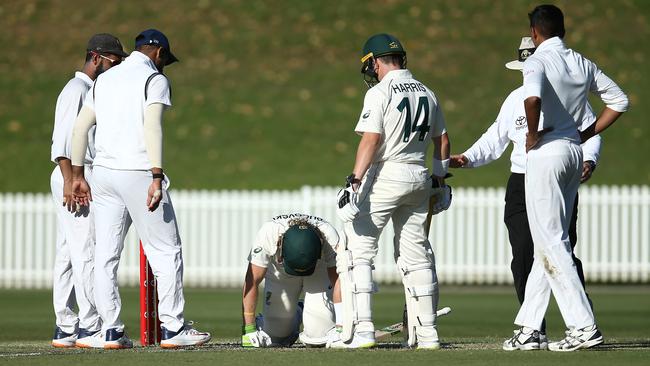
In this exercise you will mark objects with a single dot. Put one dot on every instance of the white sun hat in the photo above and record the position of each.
(526, 48)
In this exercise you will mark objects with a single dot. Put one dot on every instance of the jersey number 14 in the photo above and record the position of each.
(419, 123)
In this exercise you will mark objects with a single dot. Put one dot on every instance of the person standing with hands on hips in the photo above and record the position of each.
(556, 84)
(511, 126)
(126, 104)
(75, 237)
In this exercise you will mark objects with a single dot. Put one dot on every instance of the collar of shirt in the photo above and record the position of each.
(139, 57)
(84, 77)
(397, 74)
(554, 42)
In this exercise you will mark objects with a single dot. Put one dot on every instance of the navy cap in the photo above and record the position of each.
(156, 38)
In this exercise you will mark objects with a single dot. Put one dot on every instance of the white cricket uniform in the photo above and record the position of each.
(562, 79)
(397, 185)
(121, 179)
(75, 233)
(282, 291)
(511, 126)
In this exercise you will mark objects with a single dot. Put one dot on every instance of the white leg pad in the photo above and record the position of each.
(356, 288)
(421, 292)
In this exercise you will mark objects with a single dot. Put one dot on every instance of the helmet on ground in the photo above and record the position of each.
(301, 249)
(381, 44)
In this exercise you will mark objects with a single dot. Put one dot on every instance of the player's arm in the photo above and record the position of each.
(254, 276)
(368, 146)
(80, 188)
(616, 103)
(153, 141)
(590, 148)
(533, 82)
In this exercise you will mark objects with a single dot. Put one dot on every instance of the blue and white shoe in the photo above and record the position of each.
(117, 340)
(184, 337)
(62, 339)
(90, 339)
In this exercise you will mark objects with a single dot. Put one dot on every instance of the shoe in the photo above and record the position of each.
(90, 339)
(578, 338)
(117, 340)
(359, 340)
(543, 341)
(186, 336)
(333, 336)
(432, 345)
(62, 339)
(525, 339)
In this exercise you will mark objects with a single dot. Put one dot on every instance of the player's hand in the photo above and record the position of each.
(254, 338)
(458, 161)
(588, 168)
(441, 196)
(68, 199)
(154, 195)
(347, 208)
(81, 192)
(532, 139)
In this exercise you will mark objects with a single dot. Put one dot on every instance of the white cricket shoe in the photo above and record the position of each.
(586, 337)
(525, 339)
(359, 340)
(62, 339)
(430, 345)
(89, 339)
(117, 340)
(186, 336)
(333, 336)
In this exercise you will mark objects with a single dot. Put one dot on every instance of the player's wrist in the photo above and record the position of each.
(248, 328)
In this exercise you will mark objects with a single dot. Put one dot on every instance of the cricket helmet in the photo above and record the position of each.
(301, 249)
(381, 44)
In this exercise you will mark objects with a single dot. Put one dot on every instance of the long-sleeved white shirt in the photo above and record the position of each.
(563, 78)
(68, 105)
(511, 126)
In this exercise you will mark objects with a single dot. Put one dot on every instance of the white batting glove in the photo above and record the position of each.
(256, 338)
(347, 208)
(442, 196)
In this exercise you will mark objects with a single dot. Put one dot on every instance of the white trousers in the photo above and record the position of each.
(72, 276)
(552, 178)
(281, 295)
(399, 192)
(119, 197)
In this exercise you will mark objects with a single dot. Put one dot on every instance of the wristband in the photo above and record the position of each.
(248, 328)
(158, 176)
(440, 167)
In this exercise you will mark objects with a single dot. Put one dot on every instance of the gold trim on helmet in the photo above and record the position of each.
(366, 57)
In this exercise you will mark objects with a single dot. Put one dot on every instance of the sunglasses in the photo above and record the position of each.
(113, 62)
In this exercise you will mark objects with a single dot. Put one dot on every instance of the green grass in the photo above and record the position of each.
(472, 334)
(267, 93)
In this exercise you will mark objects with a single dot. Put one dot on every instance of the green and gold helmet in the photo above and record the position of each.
(381, 44)
(301, 249)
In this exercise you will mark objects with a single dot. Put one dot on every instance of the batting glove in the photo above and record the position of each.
(346, 200)
(442, 196)
(254, 338)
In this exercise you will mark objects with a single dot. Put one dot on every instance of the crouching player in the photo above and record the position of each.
(292, 253)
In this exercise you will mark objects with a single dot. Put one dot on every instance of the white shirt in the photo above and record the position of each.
(119, 106)
(511, 126)
(406, 114)
(265, 248)
(68, 105)
(562, 78)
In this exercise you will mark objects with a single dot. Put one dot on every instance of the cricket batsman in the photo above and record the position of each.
(293, 253)
(400, 119)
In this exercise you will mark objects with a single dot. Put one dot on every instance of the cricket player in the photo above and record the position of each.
(75, 231)
(126, 104)
(556, 84)
(510, 126)
(292, 253)
(399, 120)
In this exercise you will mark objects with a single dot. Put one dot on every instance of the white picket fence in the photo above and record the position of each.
(217, 229)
